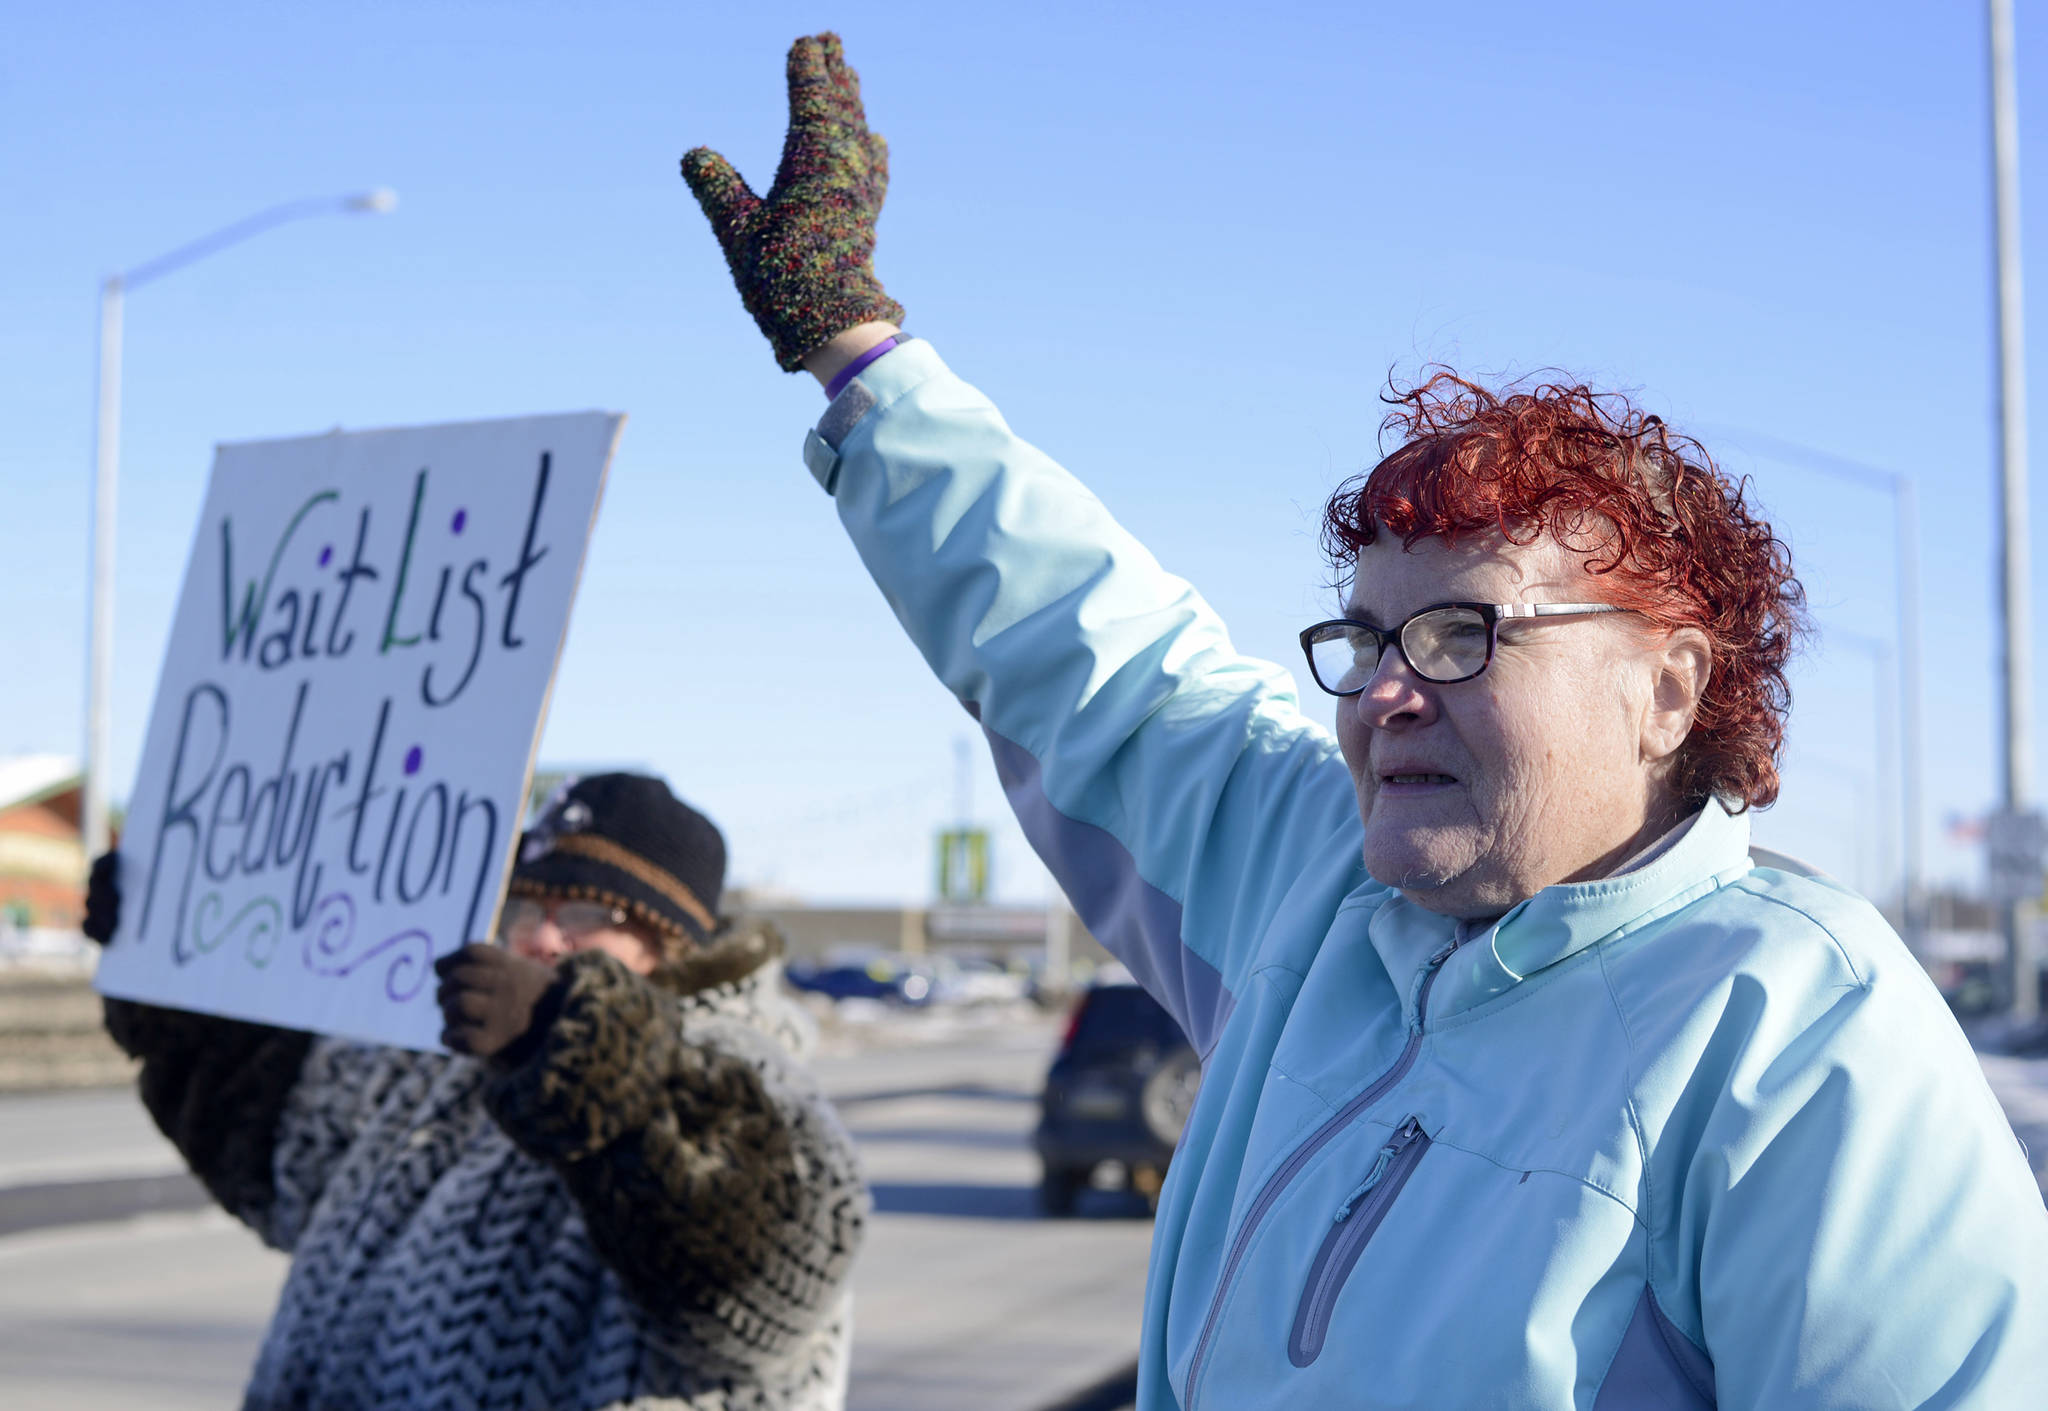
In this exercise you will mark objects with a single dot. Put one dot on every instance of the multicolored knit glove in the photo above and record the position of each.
(802, 258)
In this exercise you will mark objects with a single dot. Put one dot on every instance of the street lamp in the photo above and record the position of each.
(2014, 565)
(1869, 845)
(1885, 754)
(107, 459)
(1906, 549)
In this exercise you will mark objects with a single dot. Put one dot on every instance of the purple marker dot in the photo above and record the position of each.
(412, 760)
(326, 555)
(461, 518)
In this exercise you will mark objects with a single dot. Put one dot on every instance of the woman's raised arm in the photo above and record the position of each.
(1170, 783)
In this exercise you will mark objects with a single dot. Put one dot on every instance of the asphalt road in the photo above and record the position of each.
(120, 1287)
(963, 1295)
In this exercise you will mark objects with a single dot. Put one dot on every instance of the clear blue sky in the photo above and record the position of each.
(1181, 248)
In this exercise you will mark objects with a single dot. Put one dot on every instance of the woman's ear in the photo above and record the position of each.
(1680, 665)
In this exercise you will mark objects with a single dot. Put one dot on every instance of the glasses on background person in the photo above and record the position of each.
(522, 919)
(1443, 643)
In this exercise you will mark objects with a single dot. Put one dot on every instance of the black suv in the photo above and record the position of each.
(1116, 1098)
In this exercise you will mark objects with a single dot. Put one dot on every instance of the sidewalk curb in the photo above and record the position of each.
(1115, 1391)
(49, 1204)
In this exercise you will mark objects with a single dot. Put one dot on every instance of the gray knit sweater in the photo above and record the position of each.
(655, 1209)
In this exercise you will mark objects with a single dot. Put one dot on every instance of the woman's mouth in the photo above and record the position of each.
(1415, 782)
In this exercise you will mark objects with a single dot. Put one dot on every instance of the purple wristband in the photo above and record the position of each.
(853, 369)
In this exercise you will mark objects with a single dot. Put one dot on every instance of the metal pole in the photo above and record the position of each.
(1059, 943)
(100, 654)
(2012, 443)
(1886, 756)
(1906, 547)
(1867, 839)
(963, 782)
(1887, 750)
(1912, 900)
(93, 822)
(1887, 776)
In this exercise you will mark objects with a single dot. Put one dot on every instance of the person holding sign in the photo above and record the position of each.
(1527, 1081)
(622, 1189)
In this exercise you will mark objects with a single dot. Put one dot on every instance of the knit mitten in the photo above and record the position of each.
(802, 258)
(493, 1002)
(103, 898)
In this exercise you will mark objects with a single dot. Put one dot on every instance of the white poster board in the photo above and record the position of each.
(337, 760)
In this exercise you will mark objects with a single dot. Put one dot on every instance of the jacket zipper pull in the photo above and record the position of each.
(1422, 984)
(1396, 1144)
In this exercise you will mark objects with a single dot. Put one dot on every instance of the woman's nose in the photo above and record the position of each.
(1395, 696)
(545, 943)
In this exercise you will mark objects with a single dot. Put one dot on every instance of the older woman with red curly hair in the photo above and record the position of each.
(1528, 1081)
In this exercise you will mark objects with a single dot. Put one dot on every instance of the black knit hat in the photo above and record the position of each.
(625, 839)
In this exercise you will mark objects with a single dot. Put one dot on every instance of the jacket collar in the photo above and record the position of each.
(1558, 922)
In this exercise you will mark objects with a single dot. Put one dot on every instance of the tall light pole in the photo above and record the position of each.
(107, 462)
(1869, 849)
(1885, 756)
(1906, 549)
(2014, 663)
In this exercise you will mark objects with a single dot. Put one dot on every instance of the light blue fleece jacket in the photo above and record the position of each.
(1698, 1135)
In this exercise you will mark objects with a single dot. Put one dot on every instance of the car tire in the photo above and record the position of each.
(1169, 1096)
(1058, 1190)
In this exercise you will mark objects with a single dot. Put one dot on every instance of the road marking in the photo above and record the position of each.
(156, 1226)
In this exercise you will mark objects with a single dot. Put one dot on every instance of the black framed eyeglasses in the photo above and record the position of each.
(1443, 643)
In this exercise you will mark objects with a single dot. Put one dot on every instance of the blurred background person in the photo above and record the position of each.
(620, 1189)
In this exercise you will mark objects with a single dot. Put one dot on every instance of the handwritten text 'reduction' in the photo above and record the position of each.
(393, 828)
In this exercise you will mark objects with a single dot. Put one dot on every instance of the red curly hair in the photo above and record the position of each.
(1668, 534)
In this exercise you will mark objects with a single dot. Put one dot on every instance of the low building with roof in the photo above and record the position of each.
(42, 852)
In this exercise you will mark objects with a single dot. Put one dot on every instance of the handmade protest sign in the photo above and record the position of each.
(337, 760)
